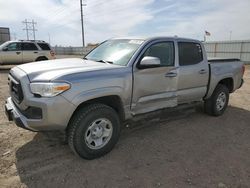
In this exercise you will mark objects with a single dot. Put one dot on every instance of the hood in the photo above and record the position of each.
(53, 69)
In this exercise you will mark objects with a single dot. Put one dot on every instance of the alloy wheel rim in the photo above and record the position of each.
(221, 101)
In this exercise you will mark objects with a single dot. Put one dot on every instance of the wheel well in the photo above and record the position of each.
(41, 58)
(229, 83)
(113, 101)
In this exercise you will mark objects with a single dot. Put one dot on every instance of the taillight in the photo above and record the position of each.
(243, 69)
(52, 53)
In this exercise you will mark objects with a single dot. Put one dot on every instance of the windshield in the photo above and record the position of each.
(117, 51)
(4, 44)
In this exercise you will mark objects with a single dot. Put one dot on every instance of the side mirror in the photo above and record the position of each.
(5, 48)
(150, 62)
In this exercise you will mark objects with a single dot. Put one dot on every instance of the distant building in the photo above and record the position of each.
(4, 34)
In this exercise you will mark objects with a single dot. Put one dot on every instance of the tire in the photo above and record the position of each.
(90, 126)
(217, 103)
(41, 59)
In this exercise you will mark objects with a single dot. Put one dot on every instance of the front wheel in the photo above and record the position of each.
(217, 103)
(93, 131)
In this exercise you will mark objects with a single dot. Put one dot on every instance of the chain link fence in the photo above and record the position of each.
(229, 49)
(223, 49)
(71, 50)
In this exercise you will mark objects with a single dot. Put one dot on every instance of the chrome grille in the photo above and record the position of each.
(15, 89)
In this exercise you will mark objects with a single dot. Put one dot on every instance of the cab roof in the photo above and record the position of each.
(158, 38)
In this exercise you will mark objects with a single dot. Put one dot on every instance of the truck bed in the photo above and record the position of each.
(222, 68)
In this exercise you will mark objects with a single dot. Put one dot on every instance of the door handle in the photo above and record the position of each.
(202, 71)
(35, 52)
(171, 74)
(18, 53)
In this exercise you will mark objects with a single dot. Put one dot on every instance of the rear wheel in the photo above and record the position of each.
(41, 59)
(217, 103)
(93, 131)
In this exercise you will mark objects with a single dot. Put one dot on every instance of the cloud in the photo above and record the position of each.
(115, 18)
(105, 19)
(217, 17)
(62, 19)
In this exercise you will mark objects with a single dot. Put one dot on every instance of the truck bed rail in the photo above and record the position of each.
(215, 60)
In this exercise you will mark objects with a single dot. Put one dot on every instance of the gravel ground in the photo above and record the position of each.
(189, 150)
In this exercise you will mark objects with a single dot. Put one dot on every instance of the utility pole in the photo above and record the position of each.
(230, 35)
(30, 27)
(49, 37)
(26, 28)
(34, 29)
(81, 6)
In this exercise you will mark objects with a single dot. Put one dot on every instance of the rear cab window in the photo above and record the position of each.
(44, 46)
(190, 53)
(26, 46)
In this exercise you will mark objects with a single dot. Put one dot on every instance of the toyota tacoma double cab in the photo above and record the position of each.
(90, 98)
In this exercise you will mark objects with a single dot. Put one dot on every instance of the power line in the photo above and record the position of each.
(13, 36)
(30, 29)
(109, 12)
(61, 14)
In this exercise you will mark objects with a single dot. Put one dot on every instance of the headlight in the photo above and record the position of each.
(48, 89)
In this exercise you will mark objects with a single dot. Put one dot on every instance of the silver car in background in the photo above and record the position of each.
(25, 51)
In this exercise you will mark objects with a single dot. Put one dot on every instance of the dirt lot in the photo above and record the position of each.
(192, 150)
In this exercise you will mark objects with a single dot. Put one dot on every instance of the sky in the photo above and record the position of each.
(58, 21)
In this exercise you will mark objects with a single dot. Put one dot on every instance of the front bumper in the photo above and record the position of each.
(56, 115)
(13, 115)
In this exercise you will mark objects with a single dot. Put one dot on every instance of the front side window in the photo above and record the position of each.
(164, 51)
(189, 53)
(29, 47)
(13, 47)
(117, 51)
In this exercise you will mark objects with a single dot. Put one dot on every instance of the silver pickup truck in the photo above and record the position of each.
(90, 98)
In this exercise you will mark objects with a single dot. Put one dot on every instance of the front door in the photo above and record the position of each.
(12, 54)
(155, 87)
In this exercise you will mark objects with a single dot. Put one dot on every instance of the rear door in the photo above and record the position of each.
(155, 87)
(30, 52)
(12, 54)
(193, 72)
(46, 50)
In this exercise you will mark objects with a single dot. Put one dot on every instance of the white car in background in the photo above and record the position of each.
(25, 51)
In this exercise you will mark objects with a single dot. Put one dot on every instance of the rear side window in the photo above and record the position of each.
(164, 51)
(189, 53)
(44, 46)
(29, 46)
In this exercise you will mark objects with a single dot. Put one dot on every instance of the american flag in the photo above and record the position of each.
(207, 33)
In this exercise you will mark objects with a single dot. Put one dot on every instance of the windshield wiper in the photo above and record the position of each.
(85, 58)
(104, 61)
